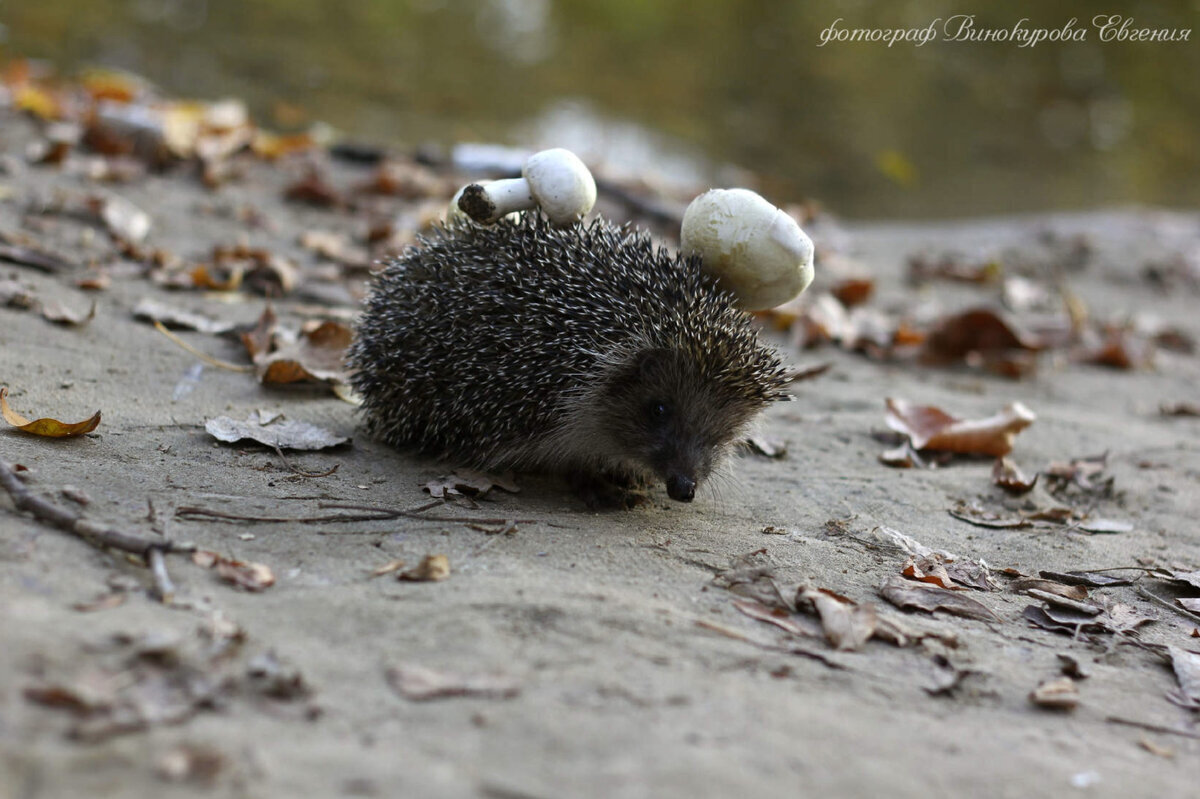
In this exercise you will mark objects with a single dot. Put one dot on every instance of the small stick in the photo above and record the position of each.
(192, 512)
(1141, 725)
(163, 586)
(67, 521)
(232, 367)
(1155, 598)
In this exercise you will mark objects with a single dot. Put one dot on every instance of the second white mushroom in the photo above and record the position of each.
(554, 180)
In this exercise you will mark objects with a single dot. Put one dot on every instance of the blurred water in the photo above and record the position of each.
(695, 90)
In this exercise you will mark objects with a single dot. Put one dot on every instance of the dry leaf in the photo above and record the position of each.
(470, 482)
(277, 432)
(973, 514)
(1187, 672)
(847, 625)
(14, 295)
(335, 247)
(49, 428)
(124, 220)
(387, 568)
(313, 189)
(932, 428)
(979, 333)
(243, 574)
(1105, 526)
(778, 616)
(1118, 348)
(178, 319)
(431, 569)
(418, 683)
(1076, 592)
(55, 311)
(317, 356)
(906, 594)
(854, 291)
(28, 255)
(928, 570)
(1189, 603)
(1008, 476)
(1057, 694)
(258, 340)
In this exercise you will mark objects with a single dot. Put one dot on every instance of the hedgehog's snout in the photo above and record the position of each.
(681, 488)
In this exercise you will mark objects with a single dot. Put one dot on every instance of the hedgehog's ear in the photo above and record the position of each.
(650, 363)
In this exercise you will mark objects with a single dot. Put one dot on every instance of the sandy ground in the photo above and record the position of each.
(637, 676)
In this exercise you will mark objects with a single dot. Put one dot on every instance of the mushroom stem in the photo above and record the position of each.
(487, 203)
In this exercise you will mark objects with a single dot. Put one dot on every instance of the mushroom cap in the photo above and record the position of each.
(561, 185)
(752, 248)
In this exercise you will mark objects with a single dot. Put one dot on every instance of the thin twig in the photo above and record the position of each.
(232, 367)
(1159, 600)
(1141, 725)
(67, 521)
(204, 513)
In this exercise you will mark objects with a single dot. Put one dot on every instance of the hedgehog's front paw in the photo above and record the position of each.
(607, 492)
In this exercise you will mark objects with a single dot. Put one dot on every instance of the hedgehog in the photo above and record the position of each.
(583, 350)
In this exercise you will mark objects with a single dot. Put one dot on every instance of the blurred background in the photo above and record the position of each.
(693, 90)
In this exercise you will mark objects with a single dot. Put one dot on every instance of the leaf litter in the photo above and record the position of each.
(46, 427)
(273, 430)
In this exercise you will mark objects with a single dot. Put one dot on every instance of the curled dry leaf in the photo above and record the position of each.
(1076, 592)
(27, 254)
(779, 617)
(49, 428)
(1009, 476)
(243, 574)
(847, 625)
(981, 331)
(1089, 579)
(766, 446)
(387, 568)
(854, 291)
(1059, 693)
(471, 483)
(929, 427)
(14, 295)
(418, 683)
(906, 595)
(431, 569)
(55, 311)
(317, 356)
(274, 432)
(1118, 348)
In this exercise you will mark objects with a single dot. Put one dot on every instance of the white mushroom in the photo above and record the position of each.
(555, 180)
(752, 248)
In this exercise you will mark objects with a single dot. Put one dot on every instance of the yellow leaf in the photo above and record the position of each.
(51, 428)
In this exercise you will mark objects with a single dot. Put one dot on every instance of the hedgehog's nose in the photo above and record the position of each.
(681, 488)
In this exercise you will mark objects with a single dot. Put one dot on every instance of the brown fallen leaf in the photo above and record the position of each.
(317, 356)
(1079, 472)
(924, 267)
(973, 514)
(314, 189)
(419, 684)
(1071, 667)
(1057, 600)
(336, 247)
(1076, 592)
(928, 570)
(1118, 348)
(243, 574)
(979, 333)
(55, 311)
(470, 482)
(929, 427)
(431, 569)
(847, 624)
(1008, 476)
(906, 594)
(25, 254)
(779, 617)
(1059, 693)
(854, 291)
(49, 428)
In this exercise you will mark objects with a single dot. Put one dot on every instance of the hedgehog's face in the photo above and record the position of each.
(665, 419)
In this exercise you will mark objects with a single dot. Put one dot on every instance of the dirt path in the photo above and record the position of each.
(635, 674)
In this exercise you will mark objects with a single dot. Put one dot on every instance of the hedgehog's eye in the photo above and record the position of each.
(658, 411)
